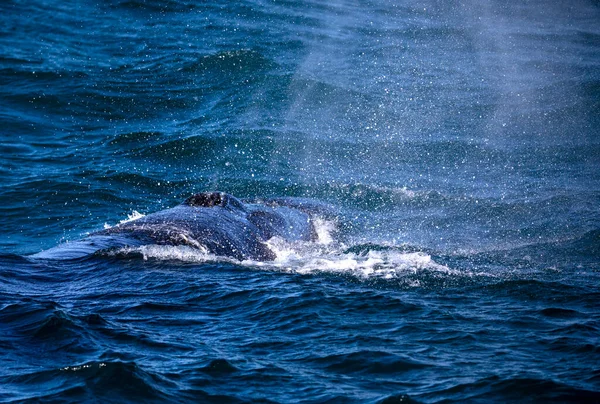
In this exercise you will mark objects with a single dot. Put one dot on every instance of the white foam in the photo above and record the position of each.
(386, 264)
(324, 229)
(323, 256)
(134, 215)
(307, 258)
(182, 253)
(402, 191)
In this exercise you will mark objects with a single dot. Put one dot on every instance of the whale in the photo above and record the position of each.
(216, 223)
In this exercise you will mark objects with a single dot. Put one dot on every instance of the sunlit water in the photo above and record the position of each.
(459, 144)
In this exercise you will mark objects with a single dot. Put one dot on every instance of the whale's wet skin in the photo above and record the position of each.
(213, 222)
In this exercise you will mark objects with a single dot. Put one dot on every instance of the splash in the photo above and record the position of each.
(134, 215)
(325, 255)
(387, 264)
(168, 253)
(309, 258)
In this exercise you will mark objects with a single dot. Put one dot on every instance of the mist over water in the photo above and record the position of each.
(457, 143)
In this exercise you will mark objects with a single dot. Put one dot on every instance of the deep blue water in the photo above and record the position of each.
(458, 141)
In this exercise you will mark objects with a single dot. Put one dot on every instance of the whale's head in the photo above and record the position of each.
(214, 199)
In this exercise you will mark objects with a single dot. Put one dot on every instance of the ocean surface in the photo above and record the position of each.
(459, 143)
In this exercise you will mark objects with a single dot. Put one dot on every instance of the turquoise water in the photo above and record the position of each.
(458, 143)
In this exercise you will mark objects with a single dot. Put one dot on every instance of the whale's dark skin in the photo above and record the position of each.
(214, 222)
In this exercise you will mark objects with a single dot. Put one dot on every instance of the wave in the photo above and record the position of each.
(45, 320)
(28, 71)
(105, 380)
(399, 398)
(495, 388)
(368, 362)
(246, 62)
(158, 6)
(553, 253)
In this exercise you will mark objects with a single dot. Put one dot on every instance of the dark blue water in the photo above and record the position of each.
(458, 141)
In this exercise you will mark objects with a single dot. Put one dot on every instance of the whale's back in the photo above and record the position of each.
(215, 222)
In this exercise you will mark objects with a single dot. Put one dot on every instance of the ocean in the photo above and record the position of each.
(458, 144)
